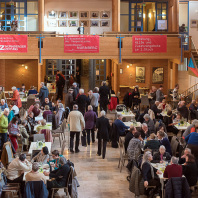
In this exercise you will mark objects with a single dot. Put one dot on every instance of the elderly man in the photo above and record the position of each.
(47, 102)
(3, 105)
(159, 94)
(182, 159)
(103, 126)
(77, 124)
(69, 100)
(192, 128)
(145, 132)
(183, 109)
(75, 90)
(164, 141)
(121, 127)
(156, 110)
(129, 136)
(16, 97)
(193, 110)
(150, 123)
(3, 127)
(161, 156)
(90, 121)
(44, 92)
(94, 98)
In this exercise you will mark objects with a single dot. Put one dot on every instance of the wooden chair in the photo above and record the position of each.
(61, 130)
(123, 155)
(174, 145)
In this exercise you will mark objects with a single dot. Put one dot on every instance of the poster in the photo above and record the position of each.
(149, 44)
(140, 74)
(81, 44)
(158, 75)
(162, 24)
(13, 43)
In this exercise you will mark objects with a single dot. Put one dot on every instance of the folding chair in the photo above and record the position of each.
(38, 137)
(123, 155)
(174, 145)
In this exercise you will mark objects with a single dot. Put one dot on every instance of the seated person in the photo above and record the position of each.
(183, 109)
(164, 141)
(191, 128)
(135, 146)
(60, 175)
(14, 108)
(173, 170)
(36, 110)
(145, 133)
(24, 133)
(161, 156)
(22, 89)
(42, 156)
(165, 106)
(190, 170)
(161, 128)
(59, 114)
(121, 127)
(129, 136)
(31, 121)
(55, 163)
(152, 143)
(193, 110)
(3, 105)
(178, 118)
(149, 173)
(168, 121)
(182, 159)
(156, 110)
(32, 91)
(46, 112)
(42, 126)
(47, 102)
(35, 175)
(149, 123)
(10, 116)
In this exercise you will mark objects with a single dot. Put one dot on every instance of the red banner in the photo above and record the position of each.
(149, 44)
(13, 43)
(81, 44)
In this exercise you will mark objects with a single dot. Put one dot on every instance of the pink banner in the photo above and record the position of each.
(13, 43)
(149, 44)
(81, 44)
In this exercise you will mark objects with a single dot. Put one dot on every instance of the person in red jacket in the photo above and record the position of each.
(173, 170)
(16, 97)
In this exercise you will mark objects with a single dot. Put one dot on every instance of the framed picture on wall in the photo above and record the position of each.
(52, 23)
(193, 23)
(84, 14)
(105, 15)
(94, 14)
(158, 75)
(62, 15)
(105, 23)
(73, 23)
(62, 23)
(85, 23)
(140, 74)
(52, 14)
(73, 14)
(94, 23)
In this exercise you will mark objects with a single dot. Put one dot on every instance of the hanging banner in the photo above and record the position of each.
(81, 44)
(13, 43)
(149, 44)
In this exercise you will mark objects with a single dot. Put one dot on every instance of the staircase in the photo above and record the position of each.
(194, 54)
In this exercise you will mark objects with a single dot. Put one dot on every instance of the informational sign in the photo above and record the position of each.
(149, 44)
(13, 43)
(162, 24)
(81, 44)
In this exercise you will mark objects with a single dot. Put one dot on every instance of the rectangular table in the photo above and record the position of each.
(128, 117)
(182, 127)
(48, 124)
(38, 118)
(33, 146)
(131, 123)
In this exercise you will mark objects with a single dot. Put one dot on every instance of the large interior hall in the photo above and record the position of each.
(98, 98)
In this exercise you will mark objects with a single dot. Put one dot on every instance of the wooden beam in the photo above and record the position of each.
(41, 11)
(115, 15)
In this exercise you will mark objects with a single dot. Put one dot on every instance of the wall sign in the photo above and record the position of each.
(81, 44)
(13, 43)
(149, 44)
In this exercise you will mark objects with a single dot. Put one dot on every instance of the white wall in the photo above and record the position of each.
(78, 5)
(183, 14)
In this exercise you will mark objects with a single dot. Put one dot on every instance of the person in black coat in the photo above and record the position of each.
(75, 90)
(82, 101)
(128, 99)
(183, 109)
(161, 156)
(190, 170)
(136, 96)
(129, 136)
(104, 93)
(43, 93)
(59, 175)
(157, 111)
(60, 83)
(193, 110)
(103, 126)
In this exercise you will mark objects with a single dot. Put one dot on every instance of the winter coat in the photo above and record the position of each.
(24, 134)
(128, 99)
(94, 99)
(44, 92)
(104, 94)
(113, 103)
(3, 124)
(157, 158)
(10, 116)
(59, 115)
(103, 126)
(69, 101)
(90, 119)
(82, 101)
(16, 98)
(159, 95)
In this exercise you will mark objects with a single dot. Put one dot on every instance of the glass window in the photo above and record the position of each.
(163, 6)
(124, 23)
(32, 7)
(21, 11)
(32, 23)
(2, 4)
(21, 4)
(124, 7)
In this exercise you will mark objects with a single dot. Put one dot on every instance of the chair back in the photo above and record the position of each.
(34, 153)
(124, 119)
(30, 101)
(63, 147)
(38, 137)
(145, 100)
(121, 146)
(48, 135)
(174, 145)
(49, 117)
(63, 125)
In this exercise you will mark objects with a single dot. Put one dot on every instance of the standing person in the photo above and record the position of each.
(175, 93)
(153, 95)
(16, 97)
(90, 121)
(71, 80)
(77, 124)
(69, 100)
(3, 127)
(104, 94)
(59, 114)
(82, 101)
(2, 94)
(44, 92)
(78, 76)
(60, 85)
(159, 94)
(136, 97)
(193, 110)
(75, 90)
(94, 98)
(128, 99)
(103, 126)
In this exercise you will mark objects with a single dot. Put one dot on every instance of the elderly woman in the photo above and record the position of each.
(35, 175)
(161, 156)
(149, 173)
(31, 121)
(164, 141)
(94, 98)
(173, 170)
(152, 143)
(42, 126)
(2, 94)
(3, 104)
(46, 112)
(149, 123)
(42, 156)
(16, 97)
(59, 114)
(36, 110)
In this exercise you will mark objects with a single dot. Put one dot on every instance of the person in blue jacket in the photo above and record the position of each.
(121, 127)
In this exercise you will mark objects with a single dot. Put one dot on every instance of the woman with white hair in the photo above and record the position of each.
(103, 126)
(2, 93)
(161, 156)
(16, 97)
(94, 98)
(3, 104)
(59, 114)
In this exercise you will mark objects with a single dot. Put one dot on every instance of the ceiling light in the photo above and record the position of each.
(26, 67)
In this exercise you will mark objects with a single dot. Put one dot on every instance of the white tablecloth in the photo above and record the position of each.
(33, 146)
(182, 128)
(38, 118)
(131, 123)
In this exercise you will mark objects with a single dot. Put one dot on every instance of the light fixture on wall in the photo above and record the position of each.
(26, 67)
(149, 15)
(131, 65)
(127, 66)
(22, 65)
(144, 16)
(52, 12)
(102, 61)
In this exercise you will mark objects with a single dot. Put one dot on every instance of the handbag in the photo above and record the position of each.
(83, 140)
